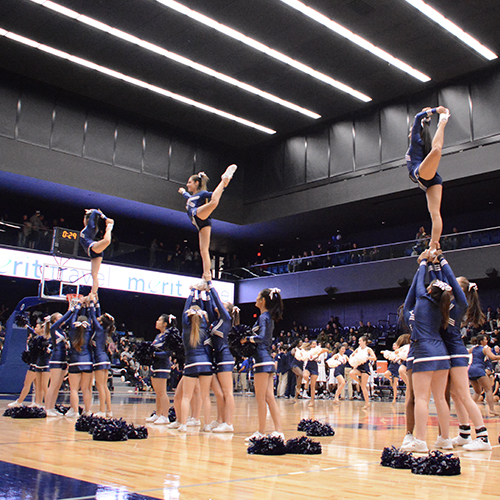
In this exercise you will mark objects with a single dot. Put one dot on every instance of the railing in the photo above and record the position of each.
(454, 241)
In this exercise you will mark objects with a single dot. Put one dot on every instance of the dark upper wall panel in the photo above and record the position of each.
(35, 119)
(181, 160)
(318, 156)
(9, 98)
(69, 127)
(486, 106)
(367, 141)
(156, 154)
(295, 162)
(129, 147)
(456, 98)
(394, 129)
(341, 148)
(100, 137)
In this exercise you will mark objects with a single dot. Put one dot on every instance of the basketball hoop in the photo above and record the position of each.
(73, 299)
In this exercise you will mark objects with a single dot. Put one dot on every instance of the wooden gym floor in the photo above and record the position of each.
(46, 459)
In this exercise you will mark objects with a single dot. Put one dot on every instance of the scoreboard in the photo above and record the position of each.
(65, 242)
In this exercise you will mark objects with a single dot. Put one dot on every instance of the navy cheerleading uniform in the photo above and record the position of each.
(429, 349)
(60, 342)
(162, 365)
(42, 361)
(393, 367)
(220, 329)
(198, 358)
(263, 338)
(409, 316)
(312, 367)
(79, 361)
(477, 368)
(89, 232)
(98, 346)
(415, 153)
(193, 202)
(340, 370)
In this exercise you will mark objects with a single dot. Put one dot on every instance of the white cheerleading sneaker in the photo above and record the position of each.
(443, 444)
(192, 422)
(416, 446)
(224, 428)
(255, 435)
(173, 425)
(162, 421)
(71, 413)
(460, 441)
(51, 412)
(478, 445)
(228, 174)
(153, 418)
(407, 440)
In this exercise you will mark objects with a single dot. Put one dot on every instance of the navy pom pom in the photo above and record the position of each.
(84, 423)
(7, 412)
(173, 342)
(144, 354)
(109, 431)
(397, 459)
(436, 464)
(139, 432)
(28, 412)
(303, 446)
(62, 409)
(315, 428)
(267, 445)
(239, 350)
(304, 424)
(171, 414)
(28, 357)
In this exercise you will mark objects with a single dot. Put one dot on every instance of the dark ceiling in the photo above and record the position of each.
(393, 25)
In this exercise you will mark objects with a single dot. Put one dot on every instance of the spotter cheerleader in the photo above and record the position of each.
(270, 306)
(422, 159)
(160, 370)
(200, 204)
(93, 248)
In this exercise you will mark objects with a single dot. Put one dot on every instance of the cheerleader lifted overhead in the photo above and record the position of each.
(200, 204)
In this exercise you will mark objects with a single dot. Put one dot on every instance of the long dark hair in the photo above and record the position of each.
(80, 334)
(426, 137)
(443, 298)
(474, 314)
(273, 301)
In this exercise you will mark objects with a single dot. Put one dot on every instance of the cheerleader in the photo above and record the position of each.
(198, 365)
(311, 370)
(297, 369)
(224, 316)
(431, 361)
(80, 362)
(160, 370)
(58, 364)
(32, 376)
(422, 159)
(103, 328)
(396, 360)
(270, 306)
(360, 361)
(42, 368)
(337, 363)
(477, 372)
(93, 248)
(199, 205)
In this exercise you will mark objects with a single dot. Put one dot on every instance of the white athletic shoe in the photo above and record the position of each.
(443, 444)
(416, 446)
(407, 440)
(153, 418)
(71, 413)
(51, 412)
(478, 445)
(460, 441)
(277, 434)
(182, 428)
(100, 414)
(109, 414)
(206, 428)
(223, 428)
(14, 404)
(255, 435)
(228, 174)
(173, 425)
(193, 422)
(162, 421)
(214, 424)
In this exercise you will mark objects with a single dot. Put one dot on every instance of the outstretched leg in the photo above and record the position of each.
(204, 239)
(434, 196)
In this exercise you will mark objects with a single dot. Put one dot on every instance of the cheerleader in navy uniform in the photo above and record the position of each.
(93, 248)
(392, 372)
(103, 328)
(58, 364)
(227, 316)
(337, 363)
(200, 204)
(80, 362)
(198, 365)
(477, 372)
(361, 371)
(160, 370)
(297, 369)
(431, 361)
(270, 306)
(42, 369)
(311, 371)
(422, 159)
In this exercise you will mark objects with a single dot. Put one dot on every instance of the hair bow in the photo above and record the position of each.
(77, 324)
(171, 317)
(472, 286)
(442, 285)
(236, 309)
(272, 291)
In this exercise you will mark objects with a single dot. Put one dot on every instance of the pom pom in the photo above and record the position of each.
(144, 354)
(171, 414)
(28, 412)
(173, 342)
(84, 423)
(303, 446)
(436, 464)
(28, 357)
(139, 432)
(7, 412)
(267, 445)
(62, 409)
(239, 350)
(397, 459)
(39, 346)
(315, 428)
(109, 431)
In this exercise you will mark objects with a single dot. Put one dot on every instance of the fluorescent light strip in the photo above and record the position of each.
(133, 81)
(361, 42)
(172, 56)
(438, 18)
(263, 48)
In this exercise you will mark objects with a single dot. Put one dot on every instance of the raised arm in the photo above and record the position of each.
(460, 298)
(223, 313)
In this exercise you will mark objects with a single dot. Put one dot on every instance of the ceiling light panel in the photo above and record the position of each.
(452, 28)
(133, 81)
(356, 39)
(174, 57)
(236, 35)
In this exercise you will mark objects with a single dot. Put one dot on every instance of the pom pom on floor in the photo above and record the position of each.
(7, 412)
(304, 424)
(171, 414)
(303, 446)
(315, 428)
(27, 412)
(397, 459)
(436, 464)
(267, 445)
(139, 432)
(109, 431)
